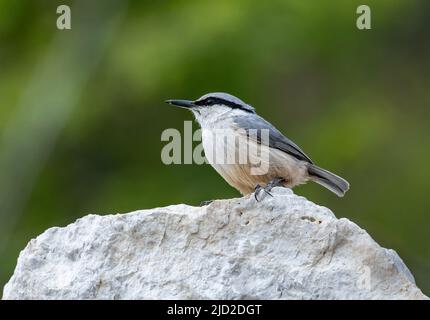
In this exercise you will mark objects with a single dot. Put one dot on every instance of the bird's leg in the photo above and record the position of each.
(257, 190)
(276, 182)
(205, 203)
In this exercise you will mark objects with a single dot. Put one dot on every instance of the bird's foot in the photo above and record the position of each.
(205, 203)
(276, 182)
(257, 190)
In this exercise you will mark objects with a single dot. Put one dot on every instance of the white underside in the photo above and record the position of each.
(261, 164)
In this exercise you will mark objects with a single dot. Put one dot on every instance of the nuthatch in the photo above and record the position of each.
(287, 164)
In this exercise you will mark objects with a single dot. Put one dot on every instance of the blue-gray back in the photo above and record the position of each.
(276, 139)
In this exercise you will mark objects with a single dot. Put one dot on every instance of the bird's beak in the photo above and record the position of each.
(181, 103)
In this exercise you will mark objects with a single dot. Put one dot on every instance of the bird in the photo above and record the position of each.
(286, 165)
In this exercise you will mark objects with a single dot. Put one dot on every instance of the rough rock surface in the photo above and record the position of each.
(284, 247)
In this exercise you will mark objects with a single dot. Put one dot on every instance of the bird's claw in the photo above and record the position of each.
(257, 190)
(276, 182)
(273, 183)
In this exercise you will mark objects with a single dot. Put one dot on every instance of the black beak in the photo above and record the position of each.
(181, 103)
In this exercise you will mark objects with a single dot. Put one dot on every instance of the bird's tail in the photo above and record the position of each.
(328, 180)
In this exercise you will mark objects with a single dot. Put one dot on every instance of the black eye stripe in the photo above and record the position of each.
(213, 100)
(210, 101)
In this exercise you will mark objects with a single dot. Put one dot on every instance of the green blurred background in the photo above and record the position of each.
(82, 112)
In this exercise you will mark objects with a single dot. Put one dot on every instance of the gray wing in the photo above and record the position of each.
(276, 139)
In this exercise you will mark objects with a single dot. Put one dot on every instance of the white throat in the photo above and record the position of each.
(216, 116)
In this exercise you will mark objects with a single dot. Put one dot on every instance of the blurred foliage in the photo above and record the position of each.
(81, 111)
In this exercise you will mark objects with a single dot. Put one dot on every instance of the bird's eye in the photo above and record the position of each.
(209, 101)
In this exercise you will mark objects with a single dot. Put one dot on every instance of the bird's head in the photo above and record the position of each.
(211, 105)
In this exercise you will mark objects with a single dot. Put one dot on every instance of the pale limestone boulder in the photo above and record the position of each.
(284, 247)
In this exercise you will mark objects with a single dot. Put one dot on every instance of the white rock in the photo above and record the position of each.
(283, 247)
